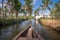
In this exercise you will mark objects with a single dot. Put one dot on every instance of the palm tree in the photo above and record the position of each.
(45, 5)
(57, 9)
(5, 11)
(16, 6)
(0, 11)
(28, 6)
(10, 7)
(37, 11)
(52, 13)
(2, 8)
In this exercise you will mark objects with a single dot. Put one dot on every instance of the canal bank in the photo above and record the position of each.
(52, 23)
(4, 22)
(51, 27)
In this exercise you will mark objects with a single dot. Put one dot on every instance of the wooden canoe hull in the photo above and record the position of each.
(31, 36)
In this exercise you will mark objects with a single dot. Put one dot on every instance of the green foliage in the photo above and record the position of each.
(29, 6)
(0, 8)
(17, 5)
(36, 11)
(6, 9)
(10, 0)
(56, 10)
(28, 1)
(4, 22)
(57, 7)
(46, 4)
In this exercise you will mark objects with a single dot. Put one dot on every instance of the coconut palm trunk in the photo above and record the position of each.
(2, 9)
(0, 12)
(16, 15)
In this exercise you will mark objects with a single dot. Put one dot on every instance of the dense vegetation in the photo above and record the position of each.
(16, 7)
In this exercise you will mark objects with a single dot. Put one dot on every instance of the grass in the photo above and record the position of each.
(54, 23)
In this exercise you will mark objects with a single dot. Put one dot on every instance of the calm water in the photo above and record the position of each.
(9, 32)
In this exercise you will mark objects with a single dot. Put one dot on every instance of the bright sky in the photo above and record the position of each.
(36, 4)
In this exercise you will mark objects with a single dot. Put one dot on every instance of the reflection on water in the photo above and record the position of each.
(41, 30)
(53, 34)
(9, 32)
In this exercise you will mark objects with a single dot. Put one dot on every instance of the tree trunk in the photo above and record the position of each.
(0, 14)
(16, 15)
(10, 14)
(2, 9)
(4, 14)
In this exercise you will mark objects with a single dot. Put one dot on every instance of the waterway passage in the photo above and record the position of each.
(8, 32)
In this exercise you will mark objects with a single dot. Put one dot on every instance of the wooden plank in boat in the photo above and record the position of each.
(25, 38)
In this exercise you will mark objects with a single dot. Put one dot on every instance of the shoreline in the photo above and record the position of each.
(52, 23)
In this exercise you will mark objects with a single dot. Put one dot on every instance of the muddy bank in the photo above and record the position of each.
(52, 23)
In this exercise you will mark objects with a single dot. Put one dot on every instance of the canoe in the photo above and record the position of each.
(28, 34)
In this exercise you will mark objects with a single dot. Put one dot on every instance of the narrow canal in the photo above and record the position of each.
(9, 32)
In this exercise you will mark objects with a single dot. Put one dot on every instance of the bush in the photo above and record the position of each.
(10, 21)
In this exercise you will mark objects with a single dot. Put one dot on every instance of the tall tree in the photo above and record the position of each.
(28, 6)
(37, 11)
(17, 6)
(57, 9)
(46, 5)
(5, 11)
(2, 8)
(10, 7)
(0, 11)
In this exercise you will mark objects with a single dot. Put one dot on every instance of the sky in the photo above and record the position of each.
(35, 3)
